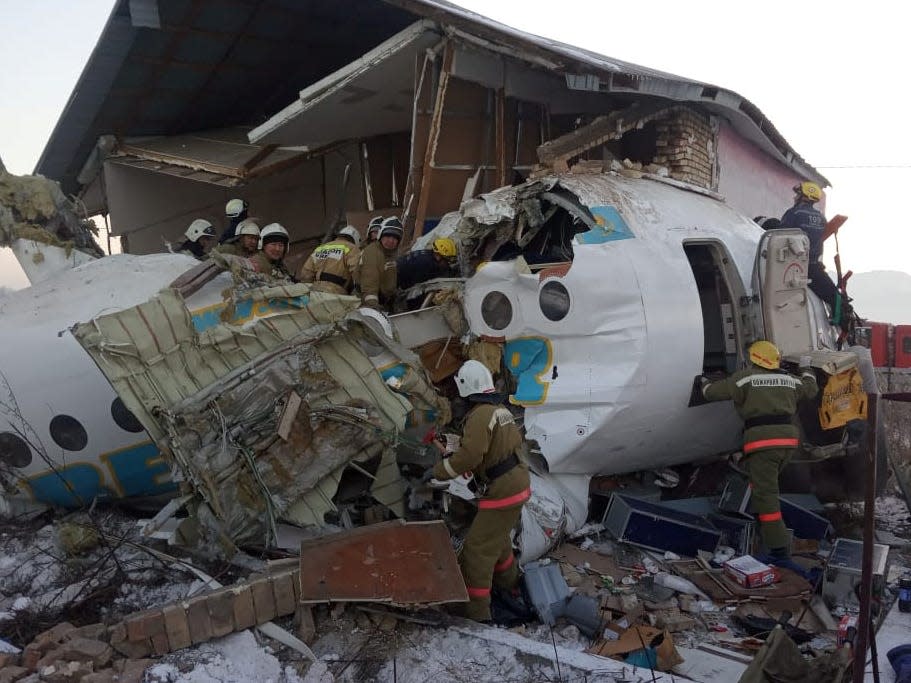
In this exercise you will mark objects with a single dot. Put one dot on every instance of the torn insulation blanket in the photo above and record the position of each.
(405, 564)
(260, 401)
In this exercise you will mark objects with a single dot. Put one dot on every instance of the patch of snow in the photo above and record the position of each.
(236, 658)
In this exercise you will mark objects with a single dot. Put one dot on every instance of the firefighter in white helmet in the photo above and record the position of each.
(489, 449)
(200, 238)
(245, 241)
(236, 212)
(270, 260)
(377, 271)
(333, 266)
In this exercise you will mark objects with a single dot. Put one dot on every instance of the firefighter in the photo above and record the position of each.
(245, 241)
(200, 238)
(373, 227)
(419, 266)
(377, 271)
(806, 217)
(766, 397)
(332, 267)
(270, 260)
(236, 211)
(489, 445)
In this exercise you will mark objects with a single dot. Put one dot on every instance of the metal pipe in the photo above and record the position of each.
(864, 621)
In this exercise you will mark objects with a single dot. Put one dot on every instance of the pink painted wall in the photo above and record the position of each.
(750, 180)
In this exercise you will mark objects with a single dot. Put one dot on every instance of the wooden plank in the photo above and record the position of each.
(433, 139)
(501, 137)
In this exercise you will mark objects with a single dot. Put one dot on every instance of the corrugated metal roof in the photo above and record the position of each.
(216, 63)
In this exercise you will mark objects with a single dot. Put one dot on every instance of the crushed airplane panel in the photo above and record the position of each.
(405, 564)
(210, 384)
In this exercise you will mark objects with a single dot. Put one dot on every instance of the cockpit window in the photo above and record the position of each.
(554, 300)
(496, 310)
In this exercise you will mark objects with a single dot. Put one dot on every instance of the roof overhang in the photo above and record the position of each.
(370, 96)
(216, 63)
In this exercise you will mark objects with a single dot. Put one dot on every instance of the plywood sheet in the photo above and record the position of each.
(397, 562)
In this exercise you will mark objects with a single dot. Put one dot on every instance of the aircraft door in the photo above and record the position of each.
(780, 280)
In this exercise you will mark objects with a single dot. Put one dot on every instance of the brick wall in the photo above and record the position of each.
(686, 147)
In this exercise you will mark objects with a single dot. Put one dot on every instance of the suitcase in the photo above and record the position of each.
(657, 527)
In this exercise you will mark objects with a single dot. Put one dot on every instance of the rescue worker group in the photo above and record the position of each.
(764, 394)
(340, 266)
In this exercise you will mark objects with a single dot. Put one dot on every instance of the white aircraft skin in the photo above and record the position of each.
(606, 388)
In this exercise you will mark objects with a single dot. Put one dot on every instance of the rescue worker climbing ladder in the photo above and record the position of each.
(488, 448)
(766, 398)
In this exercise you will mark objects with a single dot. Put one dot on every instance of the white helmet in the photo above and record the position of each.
(235, 207)
(474, 378)
(351, 232)
(246, 227)
(273, 232)
(199, 228)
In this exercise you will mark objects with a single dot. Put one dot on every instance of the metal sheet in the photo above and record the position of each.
(392, 562)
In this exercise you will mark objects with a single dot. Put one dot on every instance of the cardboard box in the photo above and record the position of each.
(749, 572)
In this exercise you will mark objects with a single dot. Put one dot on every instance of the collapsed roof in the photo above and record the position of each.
(170, 67)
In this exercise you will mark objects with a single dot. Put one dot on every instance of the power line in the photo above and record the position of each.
(867, 166)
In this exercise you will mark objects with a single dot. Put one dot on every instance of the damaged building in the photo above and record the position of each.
(185, 105)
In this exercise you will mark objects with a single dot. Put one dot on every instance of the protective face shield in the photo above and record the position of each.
(235, 207)
(765, 354)
(474, 378)
(445, 247)
(200, 228)
(274, 232)
(351, 232)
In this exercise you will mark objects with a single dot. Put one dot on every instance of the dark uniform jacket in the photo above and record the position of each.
(767, 401)
(489, 437)
(804, 216)
(377, 275)
(419, 266)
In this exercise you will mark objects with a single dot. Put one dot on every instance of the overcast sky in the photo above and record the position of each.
(830, 76)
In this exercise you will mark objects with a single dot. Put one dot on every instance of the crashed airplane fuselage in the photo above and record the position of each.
(605, 295)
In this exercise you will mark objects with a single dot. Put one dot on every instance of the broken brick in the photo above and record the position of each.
(126, 647)
(132, 670)
(9, 674)
(86, 650)
(160, 645)
(296, 581)
(283, 590)
(144, 625)
(221, 613)
(263, 600)
(65, 672)
(30, 656)
(198, 620)
(177, 627)
(8, 659)
(93, 631)
(103, 676)
(244, 612)
(55, 634)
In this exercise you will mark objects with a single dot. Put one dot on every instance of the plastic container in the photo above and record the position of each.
(904, 594)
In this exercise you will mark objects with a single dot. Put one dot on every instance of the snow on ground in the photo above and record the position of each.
(892, 515)
(237, 658)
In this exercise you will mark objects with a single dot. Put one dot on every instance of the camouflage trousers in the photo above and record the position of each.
(764, 468)
(487, 559)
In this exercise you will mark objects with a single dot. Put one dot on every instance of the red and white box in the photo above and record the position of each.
(749, 572)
